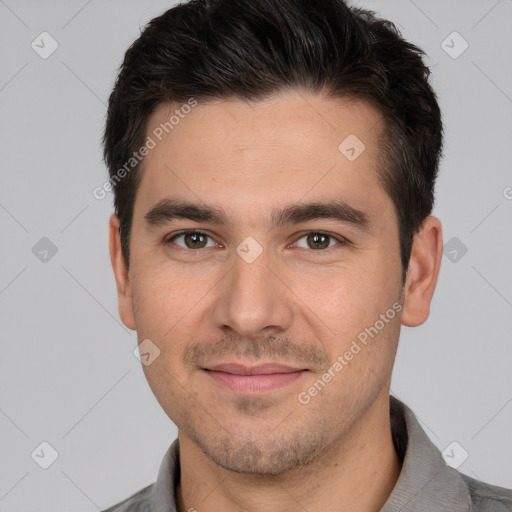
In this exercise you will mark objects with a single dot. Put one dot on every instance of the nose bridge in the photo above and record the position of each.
(252, 299)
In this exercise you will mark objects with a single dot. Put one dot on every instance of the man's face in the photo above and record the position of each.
(264, 288)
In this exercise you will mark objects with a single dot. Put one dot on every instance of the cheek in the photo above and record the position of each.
(169, 388)
(162, 299)
(161, 309)
(348, 298)
(344, 309)
(160, 314)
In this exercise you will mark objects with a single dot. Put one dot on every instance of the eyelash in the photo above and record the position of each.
(341, 240)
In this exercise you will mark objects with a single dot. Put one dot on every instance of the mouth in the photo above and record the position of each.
(254, 379)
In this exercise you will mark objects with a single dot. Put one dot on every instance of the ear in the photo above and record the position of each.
(422, 273)
(124, 292)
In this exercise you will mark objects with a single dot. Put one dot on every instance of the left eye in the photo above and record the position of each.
(317, 240)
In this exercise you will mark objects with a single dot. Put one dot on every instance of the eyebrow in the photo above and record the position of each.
(338, 210)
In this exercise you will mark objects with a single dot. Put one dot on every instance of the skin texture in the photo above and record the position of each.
(294, 304)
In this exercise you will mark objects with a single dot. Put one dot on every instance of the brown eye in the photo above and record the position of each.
(318, 240)
(191, 240)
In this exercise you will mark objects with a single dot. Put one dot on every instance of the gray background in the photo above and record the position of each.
(68, 375)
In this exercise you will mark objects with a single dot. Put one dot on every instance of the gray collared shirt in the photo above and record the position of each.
(425, 484)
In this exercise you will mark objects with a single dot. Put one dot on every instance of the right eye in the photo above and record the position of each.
(192, 239)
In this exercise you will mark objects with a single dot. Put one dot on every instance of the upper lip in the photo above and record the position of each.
(262, 369)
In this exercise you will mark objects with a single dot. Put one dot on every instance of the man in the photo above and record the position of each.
(273, 164)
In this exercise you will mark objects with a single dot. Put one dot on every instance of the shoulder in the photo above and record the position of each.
(488, 498)
(138, 502)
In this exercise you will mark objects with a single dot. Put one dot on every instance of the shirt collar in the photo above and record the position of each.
(425, 484)
(164, 497)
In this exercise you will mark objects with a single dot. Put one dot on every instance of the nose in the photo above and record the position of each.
(253, 299)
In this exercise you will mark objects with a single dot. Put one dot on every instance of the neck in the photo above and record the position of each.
(357, 472)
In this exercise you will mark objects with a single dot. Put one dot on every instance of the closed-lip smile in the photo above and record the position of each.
(256, 379)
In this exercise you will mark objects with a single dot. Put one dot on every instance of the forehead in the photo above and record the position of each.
(249, 155)
(282, 119)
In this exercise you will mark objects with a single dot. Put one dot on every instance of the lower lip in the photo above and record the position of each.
(254, 383)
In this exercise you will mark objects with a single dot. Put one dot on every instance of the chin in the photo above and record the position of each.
(264, 456)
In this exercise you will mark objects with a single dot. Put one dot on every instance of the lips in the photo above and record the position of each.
(253, 379)
(263, 369)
